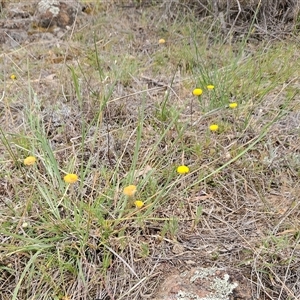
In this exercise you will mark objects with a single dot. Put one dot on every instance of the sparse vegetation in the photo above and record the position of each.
(139, 130)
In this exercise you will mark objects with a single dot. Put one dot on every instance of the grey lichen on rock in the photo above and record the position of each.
(51, 5)
(57, 13)
(220, 288)
(186, 296)
(203, 273)
(223, 287)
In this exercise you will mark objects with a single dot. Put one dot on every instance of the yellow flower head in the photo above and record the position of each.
(233, 105)
(197, 92)
(213, 127)
(29, 161)
(183, 169)
(13, 76)
(129, 190)
(210, 87)
(161, 41)
(138, 203)
(70, 178)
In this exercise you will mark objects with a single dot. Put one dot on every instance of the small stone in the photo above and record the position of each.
(25, 225)
(205, 284)
(54, 13)
(177, 248)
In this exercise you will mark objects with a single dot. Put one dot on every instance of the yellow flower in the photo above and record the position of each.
(29, 161)
(161, 41)
(13, 76)
(70, 178)
(138, 203)
(197, 92)
(210, 87)
(129, 190)
(213, 127)
(233, 105)
(183, 169)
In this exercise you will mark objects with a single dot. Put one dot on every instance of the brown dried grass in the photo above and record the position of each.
(269, 17)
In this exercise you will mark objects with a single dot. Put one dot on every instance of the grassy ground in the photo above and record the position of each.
(114, 106)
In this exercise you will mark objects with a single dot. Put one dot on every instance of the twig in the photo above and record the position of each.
(3, 94)
(124, 262)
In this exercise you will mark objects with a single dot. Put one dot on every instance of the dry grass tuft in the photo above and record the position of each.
(235, 19)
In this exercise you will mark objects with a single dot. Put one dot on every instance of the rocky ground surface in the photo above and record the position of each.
(205, 284)
(26, 22)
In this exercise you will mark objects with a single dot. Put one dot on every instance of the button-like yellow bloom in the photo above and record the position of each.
(129, 190)
(70, 178)
(138, 203)
(29, 161)
(233, 105)
(183, 169)
(210, 87)
(13, 76)
(197, 92)
(213, 127)
(161, 41)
